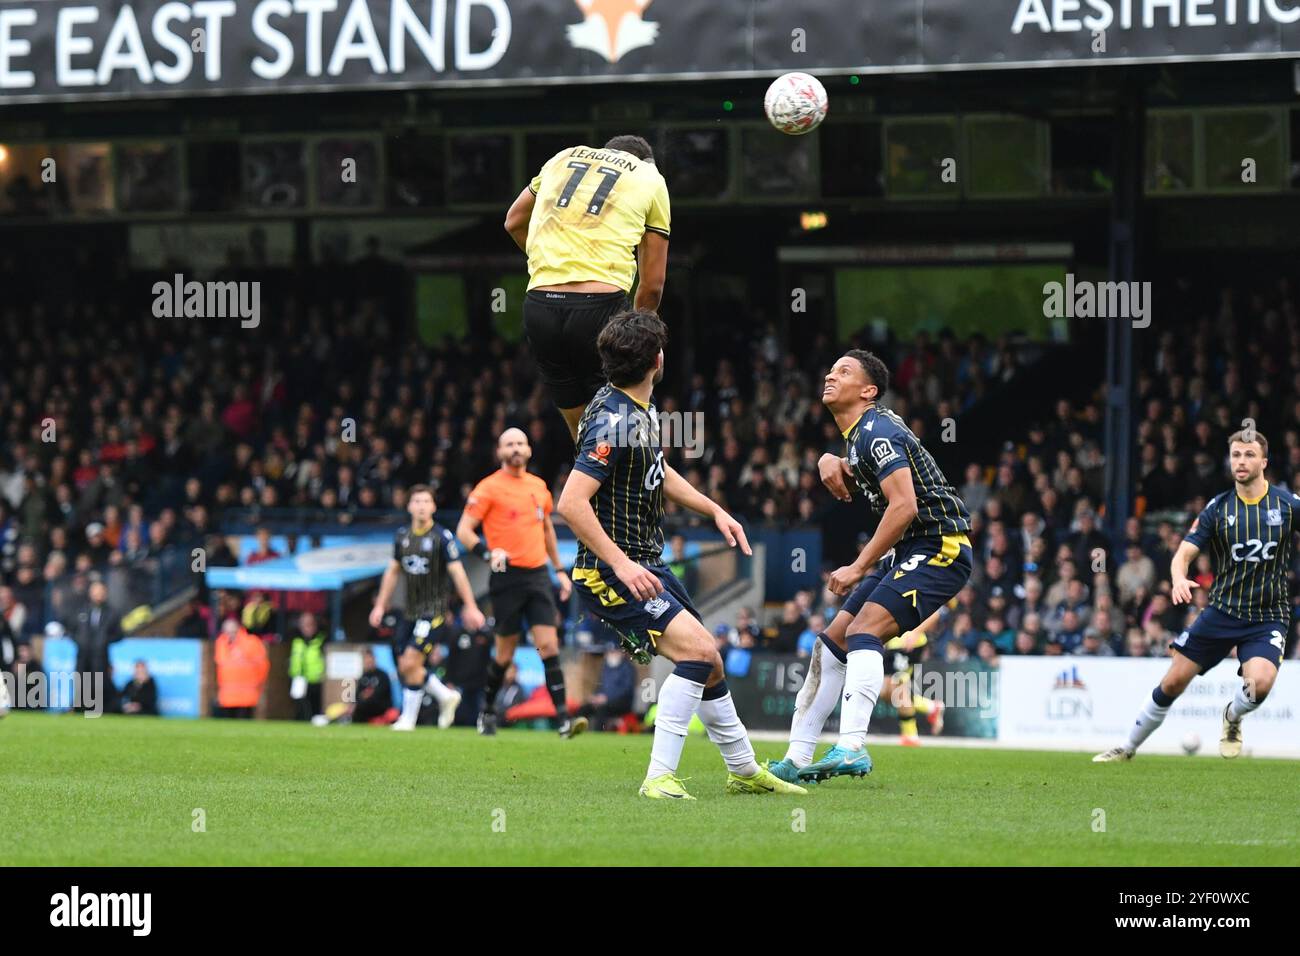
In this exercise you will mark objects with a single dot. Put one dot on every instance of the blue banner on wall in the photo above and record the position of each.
(176, 664)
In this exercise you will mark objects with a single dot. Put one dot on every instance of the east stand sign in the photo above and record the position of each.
(83, 49)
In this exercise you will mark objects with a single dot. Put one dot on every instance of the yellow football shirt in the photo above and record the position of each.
(593, 208)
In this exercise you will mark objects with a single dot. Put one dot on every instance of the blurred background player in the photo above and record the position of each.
(589, 222)
(1249, 532)
(620, 575)
(902, 655)
(426, 554)
(922, 523)
(514, 508)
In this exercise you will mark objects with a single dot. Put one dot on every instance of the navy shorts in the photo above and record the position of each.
(639, 623)
(1214, 634)
(917, 578)
(422, 633)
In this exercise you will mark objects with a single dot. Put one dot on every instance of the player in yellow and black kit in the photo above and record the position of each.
(589, 222)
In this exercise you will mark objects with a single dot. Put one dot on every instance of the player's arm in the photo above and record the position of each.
(575, 507)
(386, 585)
(652, 271)
(517, 217)
(1182, 561)
(467, 534)
(474, 619)
(835, 473)
(553, 552)
(899, 513)
(678, 489)
(1195, 539)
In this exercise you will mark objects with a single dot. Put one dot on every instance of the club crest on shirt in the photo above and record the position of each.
(426, 544)
(1274, 517)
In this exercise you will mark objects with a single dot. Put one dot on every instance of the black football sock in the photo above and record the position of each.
(555, 684)
(496, 674)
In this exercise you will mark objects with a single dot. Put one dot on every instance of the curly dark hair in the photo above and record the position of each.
(636, 145)
(877, 371)
(629, 344)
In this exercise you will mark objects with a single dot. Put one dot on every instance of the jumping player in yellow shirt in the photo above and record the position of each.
(589, 222)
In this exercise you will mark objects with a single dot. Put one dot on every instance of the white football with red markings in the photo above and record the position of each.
(796, 103)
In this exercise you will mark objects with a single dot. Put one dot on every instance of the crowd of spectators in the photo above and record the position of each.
(124, 434)
(1048, 579)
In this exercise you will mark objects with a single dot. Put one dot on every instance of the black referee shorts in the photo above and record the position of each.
(561, 328)
(519, 593)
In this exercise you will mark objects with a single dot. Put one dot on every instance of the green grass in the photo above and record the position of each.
(123, 791)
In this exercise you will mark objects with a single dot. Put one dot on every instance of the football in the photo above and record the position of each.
(1191, 742)
(795, 103)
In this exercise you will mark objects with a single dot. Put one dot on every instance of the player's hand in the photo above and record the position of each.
(498, 559)
(732, 531)
(376, 615)
(1182, 591)
(843, 580)
(566, 586)
(638, 580)
(835, 473)
(473, 619)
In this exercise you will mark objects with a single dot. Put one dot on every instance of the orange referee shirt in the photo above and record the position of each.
(513, 512)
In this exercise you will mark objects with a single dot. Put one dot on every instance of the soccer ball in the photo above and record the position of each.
(1191, 742)
(795, 103)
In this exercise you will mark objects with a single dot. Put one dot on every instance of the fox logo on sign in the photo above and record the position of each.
(612, 27)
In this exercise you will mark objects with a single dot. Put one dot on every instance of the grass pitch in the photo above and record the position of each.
(126, 791)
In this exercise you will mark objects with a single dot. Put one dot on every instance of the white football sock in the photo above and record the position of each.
(725, 729)
(437, 688)
(815, 704)
(1150, 717)
(412, 698)
(863, 678)
(679, 699)
(1242, 703)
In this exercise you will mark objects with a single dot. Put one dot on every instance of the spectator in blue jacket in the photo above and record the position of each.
(614, 693)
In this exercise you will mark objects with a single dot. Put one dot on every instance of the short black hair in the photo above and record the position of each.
(877, 371)
(629, 344)
(636, 145)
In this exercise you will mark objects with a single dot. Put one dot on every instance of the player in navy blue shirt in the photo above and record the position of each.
(916, 561)
(1248, 533)
(613, 501)
(426, 556)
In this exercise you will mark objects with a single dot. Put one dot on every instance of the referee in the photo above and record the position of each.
(589, 222)
(514, 508)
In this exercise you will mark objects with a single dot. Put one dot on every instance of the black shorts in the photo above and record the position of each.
(561, 328)
(422, 633)
(519, 593)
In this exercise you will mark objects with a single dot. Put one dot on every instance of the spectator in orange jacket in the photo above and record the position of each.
(242, 666)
